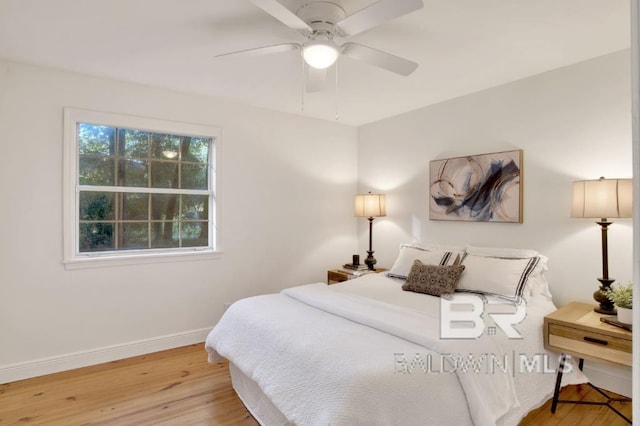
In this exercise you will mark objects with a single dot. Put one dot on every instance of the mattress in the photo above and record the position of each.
(258, 404)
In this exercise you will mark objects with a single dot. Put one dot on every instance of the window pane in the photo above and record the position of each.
(195, 149)
(194, 176)
(133, 173)
(166, 147)
(96, 171)
(164, 174)
(135, 206)
(133, 143)
(97, 140)
(96, 205)
(164, 234)
(95, 237)
(134, 235)
(195, 207)
(195, 234)
(164, 207)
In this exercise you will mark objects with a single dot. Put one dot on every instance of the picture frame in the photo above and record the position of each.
(477, 188)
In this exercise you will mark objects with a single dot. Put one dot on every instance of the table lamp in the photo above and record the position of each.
(370, 206)
(603, 199)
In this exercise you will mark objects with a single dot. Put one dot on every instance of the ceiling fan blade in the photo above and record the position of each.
(265, 50)
(315, 79)
(379, 58)
(376, 14)
(282, 14)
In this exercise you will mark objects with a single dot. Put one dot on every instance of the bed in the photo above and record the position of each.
(375, 351)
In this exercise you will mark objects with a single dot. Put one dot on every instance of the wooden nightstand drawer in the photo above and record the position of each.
(589, 338)
(336, 276)
(590, 345)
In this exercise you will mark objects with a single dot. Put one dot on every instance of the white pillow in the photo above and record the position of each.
(537, 283)
(507, 253)
(410, 253)
(507, 278)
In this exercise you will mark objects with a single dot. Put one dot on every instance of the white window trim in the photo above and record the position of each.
(75, 260)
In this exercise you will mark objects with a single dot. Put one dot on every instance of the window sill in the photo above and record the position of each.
(139, 259)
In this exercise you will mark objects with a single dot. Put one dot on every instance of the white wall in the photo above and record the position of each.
(287, 188)
(572, 123)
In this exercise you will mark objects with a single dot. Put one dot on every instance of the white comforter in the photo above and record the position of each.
(339, 355)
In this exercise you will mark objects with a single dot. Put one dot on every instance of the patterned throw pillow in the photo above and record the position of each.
(435, 280)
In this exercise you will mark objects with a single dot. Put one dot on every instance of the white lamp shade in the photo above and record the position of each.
(320, 54)
(370, 205)
(602, 198)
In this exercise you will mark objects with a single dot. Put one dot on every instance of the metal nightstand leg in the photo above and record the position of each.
(556, 393)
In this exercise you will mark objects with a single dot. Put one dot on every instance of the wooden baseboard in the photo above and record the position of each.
(55, 364)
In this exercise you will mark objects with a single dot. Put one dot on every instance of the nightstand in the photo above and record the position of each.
(340, 275)
(576, 330)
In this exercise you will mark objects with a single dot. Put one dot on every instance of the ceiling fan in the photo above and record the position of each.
(321, 22)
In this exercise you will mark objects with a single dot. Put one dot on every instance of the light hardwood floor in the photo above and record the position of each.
(179, 387)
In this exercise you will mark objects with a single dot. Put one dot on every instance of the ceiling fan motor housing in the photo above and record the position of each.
(321, 16)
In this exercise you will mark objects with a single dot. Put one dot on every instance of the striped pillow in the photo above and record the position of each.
(409, 254)
(505, 278)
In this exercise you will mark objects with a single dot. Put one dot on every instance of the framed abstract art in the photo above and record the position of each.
(477, 188)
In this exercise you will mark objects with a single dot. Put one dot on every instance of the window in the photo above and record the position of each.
(137, 188)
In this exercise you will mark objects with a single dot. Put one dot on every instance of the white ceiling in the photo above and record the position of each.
(462, 46)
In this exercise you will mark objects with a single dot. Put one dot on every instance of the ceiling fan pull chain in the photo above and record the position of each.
(337, 117)
(303, 83)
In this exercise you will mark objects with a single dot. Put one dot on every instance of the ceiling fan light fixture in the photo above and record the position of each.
(320, 54)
